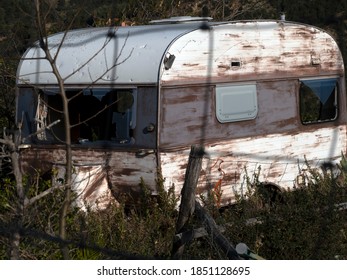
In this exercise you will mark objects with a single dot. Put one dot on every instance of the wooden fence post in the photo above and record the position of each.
(187, 206)
(212, 229)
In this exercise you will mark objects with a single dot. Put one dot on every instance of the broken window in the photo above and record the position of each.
(318, 100)
(95, 115)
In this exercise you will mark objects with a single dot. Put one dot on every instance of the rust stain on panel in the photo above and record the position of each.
(232, 162)
(100, 176)
(270, 52)
(275, 55)
(184, 119)
(191, 64)
(91, 188)
(224, 66)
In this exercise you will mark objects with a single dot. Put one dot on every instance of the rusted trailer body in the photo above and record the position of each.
(259, 95)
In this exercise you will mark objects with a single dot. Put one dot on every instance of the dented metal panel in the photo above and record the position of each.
(100, 177)
(90, 185)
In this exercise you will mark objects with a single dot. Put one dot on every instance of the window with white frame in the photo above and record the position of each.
(236, 102)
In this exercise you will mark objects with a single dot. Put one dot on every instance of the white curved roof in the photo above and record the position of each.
(133, 55)
(117, 55)
(253, 50)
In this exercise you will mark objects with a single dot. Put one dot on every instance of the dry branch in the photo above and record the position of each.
(215, 234)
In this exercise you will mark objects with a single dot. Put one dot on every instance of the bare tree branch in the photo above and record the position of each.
(64, 36)
(32, 200)
(41, 130)
(95, 115)
(68, 173)
(107, 40)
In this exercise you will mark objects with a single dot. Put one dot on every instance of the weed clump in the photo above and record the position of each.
(308, 222)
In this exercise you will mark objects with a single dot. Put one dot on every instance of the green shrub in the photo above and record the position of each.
(145, 231)
(307, 224)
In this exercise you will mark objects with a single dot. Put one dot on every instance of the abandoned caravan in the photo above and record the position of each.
(259, 95)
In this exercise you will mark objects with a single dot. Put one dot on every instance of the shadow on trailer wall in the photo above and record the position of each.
(264, 98)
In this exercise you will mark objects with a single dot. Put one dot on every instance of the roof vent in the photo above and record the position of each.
(184, 19)
(235, 63)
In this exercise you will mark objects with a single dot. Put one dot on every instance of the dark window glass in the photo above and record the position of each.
(95, 115)
(318, 100)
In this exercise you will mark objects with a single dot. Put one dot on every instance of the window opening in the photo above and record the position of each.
(95, 115)
(318, 100)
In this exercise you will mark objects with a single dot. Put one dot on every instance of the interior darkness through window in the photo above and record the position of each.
(318, 100)
(95, 115)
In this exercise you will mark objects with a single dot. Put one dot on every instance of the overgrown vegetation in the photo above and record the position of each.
(307, 223)
(142, 231)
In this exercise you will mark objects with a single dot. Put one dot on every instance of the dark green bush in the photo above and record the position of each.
(307, 223)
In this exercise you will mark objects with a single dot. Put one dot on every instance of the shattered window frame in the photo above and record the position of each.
(97, 115)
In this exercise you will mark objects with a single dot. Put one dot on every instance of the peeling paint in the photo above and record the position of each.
(179, 106)
(279, 163)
